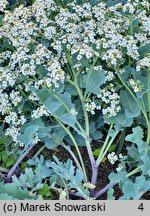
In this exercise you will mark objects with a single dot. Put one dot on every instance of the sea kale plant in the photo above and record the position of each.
(74, 75)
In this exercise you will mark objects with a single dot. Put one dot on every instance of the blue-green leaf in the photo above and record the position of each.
(131, 107)
(143, 50)
(94, 80)
(120, 120)
(130, 190)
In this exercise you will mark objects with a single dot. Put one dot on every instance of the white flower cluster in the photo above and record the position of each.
(113, 56)
(109, 76)
(15, 97)
(39, 112)
(41, 11)
(83, 50)
(28, 70)
(13, 132)
(136, 85)
(113, 158)
(143, 63)
(14, 119)
(110, 101)
(3, 4)
(91, 107)
(128, 8)
(74, 112)
(119, 168)
(39, 38)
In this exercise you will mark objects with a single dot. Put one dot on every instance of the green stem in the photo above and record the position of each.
(131, 26)
(80, 127)
(39, 151)
(120, 141)
(76, 146)
(87, 129)
(111, 184)
(105, 147)
(73, 156)
(71, 68)
(87, 138)
(136, 170)
(20, 90)
(78, 73)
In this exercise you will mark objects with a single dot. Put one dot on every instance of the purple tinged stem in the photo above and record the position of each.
(105, 189)
(94, 178)
(14, 167)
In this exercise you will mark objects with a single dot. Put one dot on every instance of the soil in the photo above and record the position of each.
(104, 170)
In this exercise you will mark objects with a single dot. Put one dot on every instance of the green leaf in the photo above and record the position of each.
(144, 102)
(5, 158)
(6, 140)
(94, 80)
(45, 191)
(96, 152)
(44, 131)
(143, 184)
(114, 2)
(1, 19)
(31, 180)
(146, 164)
(130, 190)
(120, 120)
(133, 152)
(125, 75)
(51, 143)
(5, 196)
(79, 139)
(59, 106)
(70, 89)
(136, 23)
(10, 163)
(143, 50)
(136, 136)
(55, 138)
(114, 177)
(73, 177)
(110, 194)
(95, 134)
(131, 107)
(41, 70)
(93, 2)
(28, 136)
(12, 192)
(2, 130)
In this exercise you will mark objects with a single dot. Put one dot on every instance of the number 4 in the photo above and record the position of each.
(141, 207)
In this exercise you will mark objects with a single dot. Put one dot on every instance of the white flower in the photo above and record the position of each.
(74, 112)
(13, 132)
(79, 57)
(39, 112)
(112, 157)
(119, 168)
(3, 4)
(128, 8)
(136, 85)
(90, 107)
